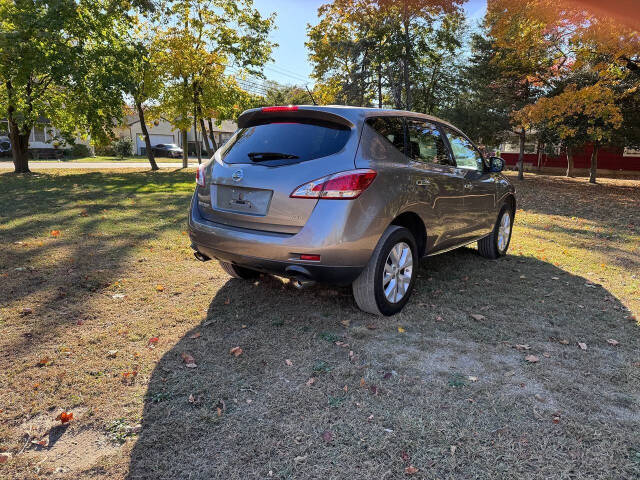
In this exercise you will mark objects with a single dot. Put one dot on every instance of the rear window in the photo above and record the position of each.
(285, 143)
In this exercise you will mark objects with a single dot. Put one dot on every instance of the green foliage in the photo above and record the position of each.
(79, 150)
(387, 53)
(123, 147)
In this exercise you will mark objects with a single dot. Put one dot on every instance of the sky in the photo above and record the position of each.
(291, 63)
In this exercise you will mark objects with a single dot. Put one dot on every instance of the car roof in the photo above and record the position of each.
(358, 114)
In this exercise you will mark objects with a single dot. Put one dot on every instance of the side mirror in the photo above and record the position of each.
(496, 164)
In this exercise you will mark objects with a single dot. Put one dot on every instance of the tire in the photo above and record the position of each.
(369, 289)
(493, 246)
(239, 272)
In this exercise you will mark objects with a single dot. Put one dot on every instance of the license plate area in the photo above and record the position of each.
(249, 201)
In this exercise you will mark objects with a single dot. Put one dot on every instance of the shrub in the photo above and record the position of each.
(80, 150)
(123, 147)
(105, 150)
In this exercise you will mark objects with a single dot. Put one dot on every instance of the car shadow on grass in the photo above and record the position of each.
(322, 390)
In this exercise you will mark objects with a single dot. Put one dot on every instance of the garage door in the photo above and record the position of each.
(155, 140)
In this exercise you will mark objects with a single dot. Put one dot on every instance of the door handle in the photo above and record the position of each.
(468, 186)
(423, 182)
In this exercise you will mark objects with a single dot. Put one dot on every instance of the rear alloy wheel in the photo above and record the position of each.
(239, 272)
(385, 284)
(495, 245)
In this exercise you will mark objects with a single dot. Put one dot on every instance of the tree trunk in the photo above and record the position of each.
(379, 87)
(19, 147)
(594, 163)
(569, 162)
(540, 148)
(211, 137)
(521, 155)
(147, 140)
(19, 140)
(407, 50)
(203, 129)
(185, 149)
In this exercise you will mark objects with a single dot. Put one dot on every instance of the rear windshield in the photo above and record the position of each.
(285, 143)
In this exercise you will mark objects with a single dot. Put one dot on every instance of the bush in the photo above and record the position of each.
(79, 150)
(123, 147)
(105, 150)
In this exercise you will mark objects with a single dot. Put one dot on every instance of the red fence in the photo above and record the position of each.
(610, 159)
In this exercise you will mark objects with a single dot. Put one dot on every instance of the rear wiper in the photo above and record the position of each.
(263, 156)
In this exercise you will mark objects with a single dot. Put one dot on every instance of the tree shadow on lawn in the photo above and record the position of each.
(57, 277)
(431, 387)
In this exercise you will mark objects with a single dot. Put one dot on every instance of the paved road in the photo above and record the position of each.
(96, 165)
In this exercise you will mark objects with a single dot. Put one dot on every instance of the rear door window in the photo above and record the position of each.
(391, 128)
(425, 143)
(285, 143)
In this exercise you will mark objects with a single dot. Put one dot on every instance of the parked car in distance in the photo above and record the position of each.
(170, 150)
(347, 195)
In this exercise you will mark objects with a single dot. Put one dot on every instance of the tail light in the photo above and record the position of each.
(339, 186)
(200, 176)
(283, 108)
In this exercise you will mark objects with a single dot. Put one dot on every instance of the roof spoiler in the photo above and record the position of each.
(257, 116)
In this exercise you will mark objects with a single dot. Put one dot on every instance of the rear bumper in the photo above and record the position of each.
(344, 247)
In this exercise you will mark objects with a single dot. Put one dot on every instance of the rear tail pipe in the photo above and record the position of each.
(301, 282)
(200, 256)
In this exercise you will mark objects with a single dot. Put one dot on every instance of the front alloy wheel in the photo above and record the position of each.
(495, 244)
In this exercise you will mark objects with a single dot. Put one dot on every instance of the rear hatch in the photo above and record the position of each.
(274, 151)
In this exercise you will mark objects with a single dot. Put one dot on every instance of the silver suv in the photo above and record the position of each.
(347, 195)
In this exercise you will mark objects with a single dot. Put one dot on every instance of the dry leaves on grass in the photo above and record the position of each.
(522, 347)
(477, 317)
(401, 330)
(411, 470)
(195, 335)
(55, 233)
(288, 362)
(159, 288)
(327, 436)
(613, 342)
(236, 351)
(310, 382)
(532, 359)
(582, 345)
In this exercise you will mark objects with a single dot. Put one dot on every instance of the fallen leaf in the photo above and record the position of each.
(556, 418)
(404, 456)
(342, 344)
(288, 362)
(192, 399)
(55, 233)
(401, 330)
(478, 317)
(65, 417)
(41, 443)
(363, 383)
(188, 359)
(371, 326)
(345, 388)
(26, 311)
(472, 378)
(522, 347)
(452, 449)
(564, 342)
(219, 411)
(612, 342)
(44, 361)
(236, 351)
(5, 457)
(411, 470)
(311, 381)
(112, 353)
(540, 398)
(153, 341)
(345, 323)
(583, 346)
(531, 359)
(195, 335)
(546, 355)
(160, 288)
(227, 301)
(327, 436)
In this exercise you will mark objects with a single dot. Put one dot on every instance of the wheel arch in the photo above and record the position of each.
(412, 222)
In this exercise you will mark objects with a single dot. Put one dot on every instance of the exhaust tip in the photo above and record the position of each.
(302, 282)
(200, 256)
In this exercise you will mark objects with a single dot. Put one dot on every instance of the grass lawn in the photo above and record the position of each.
(102, 305)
